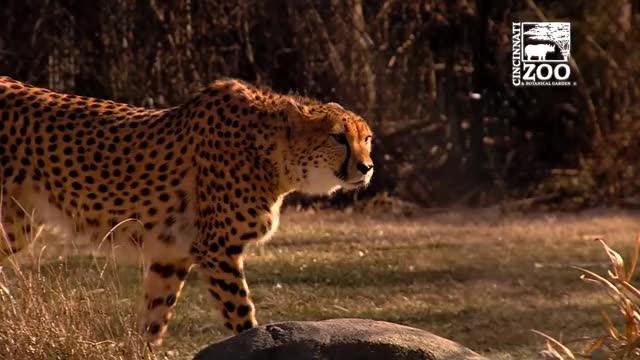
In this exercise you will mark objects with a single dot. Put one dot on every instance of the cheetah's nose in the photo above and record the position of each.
(364, 168)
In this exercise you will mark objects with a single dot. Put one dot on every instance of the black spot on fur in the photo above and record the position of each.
(224, 266)
(181, 273)
(170, 220)
(214, 294)
(164, 271)
(155, 303)
(229, 306)
(233, 288)
(154, 328)
(233, 250)
(249, 235)
(243, 310)
(248, 325)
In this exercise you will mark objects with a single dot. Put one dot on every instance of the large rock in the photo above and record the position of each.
(351, 339)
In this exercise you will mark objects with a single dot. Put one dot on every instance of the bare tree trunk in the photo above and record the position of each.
(363, 54)
(478, 157)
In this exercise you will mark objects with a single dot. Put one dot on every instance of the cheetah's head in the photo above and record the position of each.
(331, 148)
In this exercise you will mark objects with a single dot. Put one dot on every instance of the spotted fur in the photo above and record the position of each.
(191, 185)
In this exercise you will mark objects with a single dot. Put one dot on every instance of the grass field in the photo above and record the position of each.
(481, 278)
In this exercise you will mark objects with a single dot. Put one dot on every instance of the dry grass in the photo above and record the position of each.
(66, 310)
(614, 343)
(478, 277)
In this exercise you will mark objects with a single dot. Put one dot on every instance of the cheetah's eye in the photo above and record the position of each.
(340, 138)
(368, 139)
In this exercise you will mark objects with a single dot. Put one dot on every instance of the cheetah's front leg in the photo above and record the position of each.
(223, 271)
(162, 284)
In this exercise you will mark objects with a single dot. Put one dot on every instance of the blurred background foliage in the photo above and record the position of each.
(432, 77)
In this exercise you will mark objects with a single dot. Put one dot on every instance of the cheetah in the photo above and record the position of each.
(201, 180)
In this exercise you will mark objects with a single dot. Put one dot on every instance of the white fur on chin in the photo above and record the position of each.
(320, 182)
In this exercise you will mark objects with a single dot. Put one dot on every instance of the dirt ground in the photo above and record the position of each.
(482, 278)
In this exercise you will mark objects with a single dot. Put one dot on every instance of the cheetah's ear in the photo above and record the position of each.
(294, 116)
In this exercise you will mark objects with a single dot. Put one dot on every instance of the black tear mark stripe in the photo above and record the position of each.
(342, 174)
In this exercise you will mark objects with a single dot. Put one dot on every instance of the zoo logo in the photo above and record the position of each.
(540, 54)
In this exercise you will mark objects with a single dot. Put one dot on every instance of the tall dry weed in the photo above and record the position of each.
(618, 340)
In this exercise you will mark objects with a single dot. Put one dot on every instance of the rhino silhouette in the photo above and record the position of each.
(539, 51)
